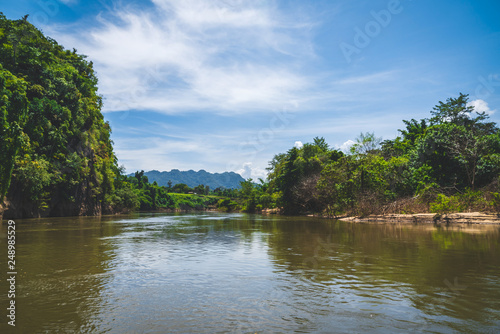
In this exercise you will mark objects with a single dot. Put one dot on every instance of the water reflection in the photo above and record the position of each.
(207, 273)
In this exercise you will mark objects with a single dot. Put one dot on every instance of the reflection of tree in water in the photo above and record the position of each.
(321, 270)
(394, 261)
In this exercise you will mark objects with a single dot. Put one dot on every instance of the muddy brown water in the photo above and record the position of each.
(238, 273)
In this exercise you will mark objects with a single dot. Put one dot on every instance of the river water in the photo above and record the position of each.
(237, 273)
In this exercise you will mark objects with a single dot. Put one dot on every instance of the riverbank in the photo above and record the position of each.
(429, 218)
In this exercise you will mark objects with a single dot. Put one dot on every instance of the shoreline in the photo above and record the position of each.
(478, 218)
(429, 218)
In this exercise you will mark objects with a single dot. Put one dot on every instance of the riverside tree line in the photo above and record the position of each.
(449, 162)
(57, 158)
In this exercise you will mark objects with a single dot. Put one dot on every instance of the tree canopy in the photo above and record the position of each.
(57, 156)
(453, 155)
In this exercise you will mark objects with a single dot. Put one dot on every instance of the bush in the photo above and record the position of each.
(444, 204)
(495, 202)
(472, 200)
(226, 205)
(124, 199)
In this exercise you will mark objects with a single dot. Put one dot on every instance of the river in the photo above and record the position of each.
(238, 273)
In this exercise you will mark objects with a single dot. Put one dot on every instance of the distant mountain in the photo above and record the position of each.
(228, 180)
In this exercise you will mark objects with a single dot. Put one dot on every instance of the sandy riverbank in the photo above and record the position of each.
(452, 218)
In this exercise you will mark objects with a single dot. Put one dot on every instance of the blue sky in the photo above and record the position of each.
(224, 85)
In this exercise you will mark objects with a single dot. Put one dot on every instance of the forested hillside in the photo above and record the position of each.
(227, 180)
(57, 157)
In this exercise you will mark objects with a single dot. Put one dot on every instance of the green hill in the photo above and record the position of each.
(57, 158)
(227, 180)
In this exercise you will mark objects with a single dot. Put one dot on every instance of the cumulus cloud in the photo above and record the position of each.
(298, 144)
(346, 146)
(248, 171)
(481, 106)
(229, 56)
(222, 57)
(149, 153)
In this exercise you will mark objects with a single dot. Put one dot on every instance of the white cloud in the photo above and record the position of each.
(481, 106)
(248, 171)
(149, 153)
(345, 147)
(202, 14)
(298, 144)
(229, 56)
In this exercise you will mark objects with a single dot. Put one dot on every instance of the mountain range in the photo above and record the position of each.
(228, 180)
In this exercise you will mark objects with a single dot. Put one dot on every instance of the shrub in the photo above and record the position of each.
(495, 202)
(470, 200)
(444, 204)
(226, 205)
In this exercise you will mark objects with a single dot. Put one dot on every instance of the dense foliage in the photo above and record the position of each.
(450, 162)
(57, 158)
(139, 193)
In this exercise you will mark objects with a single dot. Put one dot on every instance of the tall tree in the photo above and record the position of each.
(459, 144)
(321, 143)
(287, 181)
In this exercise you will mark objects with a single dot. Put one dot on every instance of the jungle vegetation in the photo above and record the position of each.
(449, 162)
(57, 158)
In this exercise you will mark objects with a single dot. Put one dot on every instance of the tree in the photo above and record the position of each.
(139, 176)
(458, 111)
(181, 188)
(287, 180)
(414, 130)
(458, 144)
(199, 189)
(336, 186)
(248, 193)
(321, 143)
(53, 123)
(471, 150)
(365, 143)
(13, 112)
